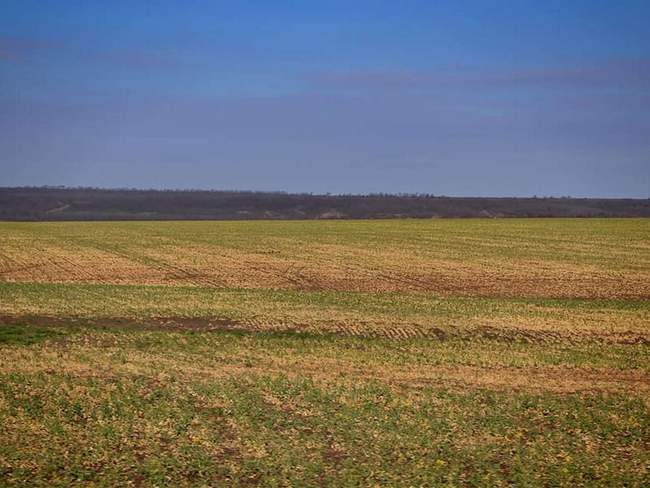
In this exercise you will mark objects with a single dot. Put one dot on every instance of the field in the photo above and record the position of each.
(339, 353)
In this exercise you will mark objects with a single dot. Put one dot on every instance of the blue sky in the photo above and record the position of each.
(449, 97)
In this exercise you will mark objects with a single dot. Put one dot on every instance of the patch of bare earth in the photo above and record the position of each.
(317, 267)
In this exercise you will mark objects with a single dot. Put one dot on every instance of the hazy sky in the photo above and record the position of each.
(447, 97)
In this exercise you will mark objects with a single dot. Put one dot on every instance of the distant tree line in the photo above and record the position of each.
(88, 203)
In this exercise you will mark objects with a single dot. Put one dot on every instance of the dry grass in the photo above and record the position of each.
(451, 364)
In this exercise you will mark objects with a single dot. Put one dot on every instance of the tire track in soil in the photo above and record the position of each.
(193, 277)
(260, 324)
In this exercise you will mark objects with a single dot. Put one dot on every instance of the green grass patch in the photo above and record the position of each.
(25, 335)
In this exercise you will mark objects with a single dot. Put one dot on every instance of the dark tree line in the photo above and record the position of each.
(62, 203)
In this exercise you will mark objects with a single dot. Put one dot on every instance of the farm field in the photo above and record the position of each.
(466, 352)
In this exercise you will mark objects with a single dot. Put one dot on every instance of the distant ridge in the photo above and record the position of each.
(59, 203)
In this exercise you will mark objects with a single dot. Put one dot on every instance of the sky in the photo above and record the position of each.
(462, 98)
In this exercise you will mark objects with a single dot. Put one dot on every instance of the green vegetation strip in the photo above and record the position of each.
(353, 313)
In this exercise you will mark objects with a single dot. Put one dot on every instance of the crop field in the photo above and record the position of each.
(467, 352)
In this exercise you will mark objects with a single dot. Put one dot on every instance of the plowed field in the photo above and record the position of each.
(390, 353)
